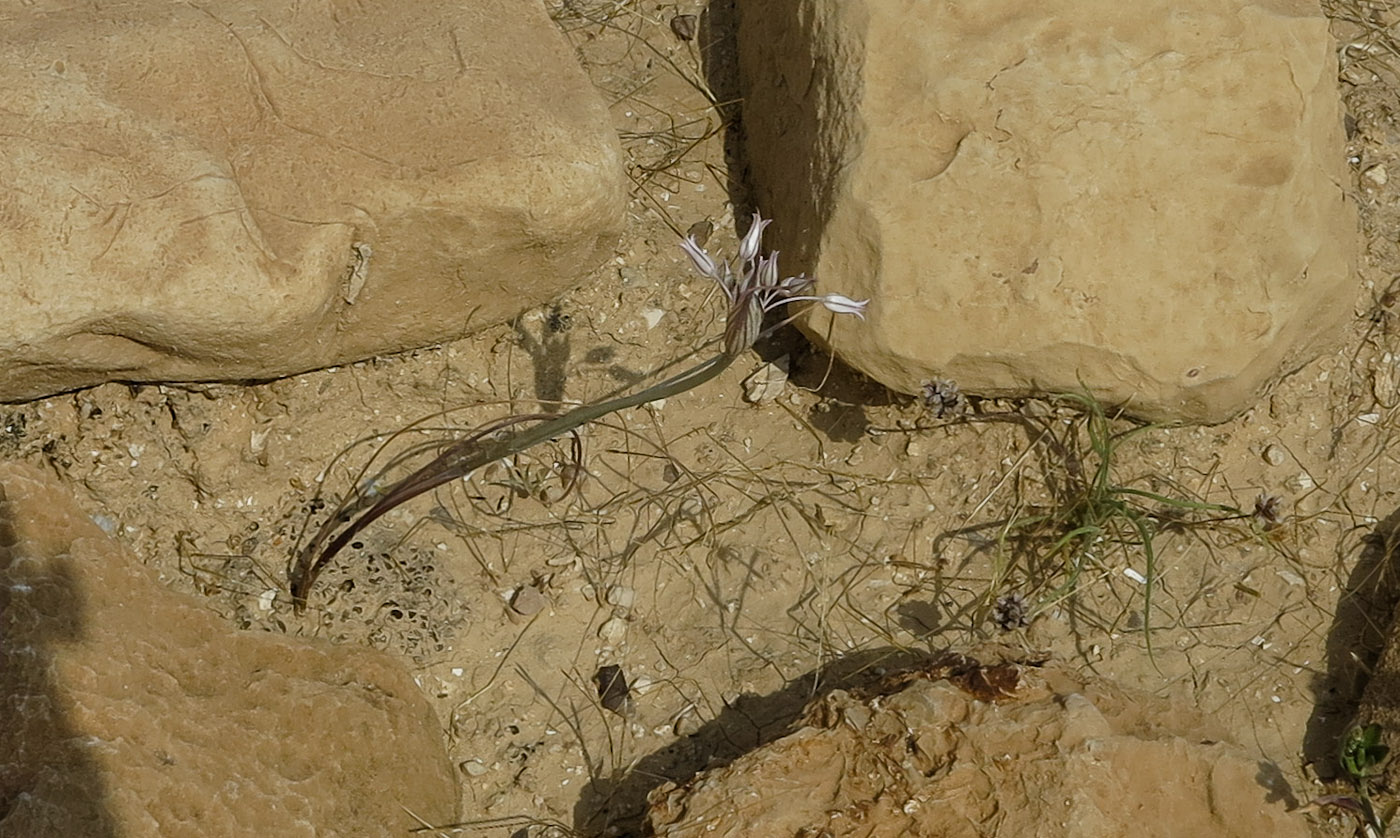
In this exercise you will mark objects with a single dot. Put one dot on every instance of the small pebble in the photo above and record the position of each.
(700, 230)
(684, 27)
(688, 724)
(528, 601)
(613, 631)
(621, 596)
(1274, 455)
(1377, 175)
(767, 383)
(474, 767)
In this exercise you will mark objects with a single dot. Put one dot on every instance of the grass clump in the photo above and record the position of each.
(1094, 519)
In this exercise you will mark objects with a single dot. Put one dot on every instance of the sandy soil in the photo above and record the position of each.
(736, 559)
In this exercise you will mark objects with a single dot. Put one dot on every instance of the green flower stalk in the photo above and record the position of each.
(753, 289)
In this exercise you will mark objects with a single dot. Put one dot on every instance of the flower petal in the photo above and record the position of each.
(701, 259)
(841, 304)
(753, 239)
(796, 286)
(767, 275)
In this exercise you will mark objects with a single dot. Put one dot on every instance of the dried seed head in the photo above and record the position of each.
(944, 398)
(1011, 612)
(1268, 510)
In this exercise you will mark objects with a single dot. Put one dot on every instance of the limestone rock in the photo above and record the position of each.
(1002, 750)
(234, 189)
(130, 710)
(1143, 197)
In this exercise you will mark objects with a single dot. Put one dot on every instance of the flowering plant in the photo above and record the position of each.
(752, 291)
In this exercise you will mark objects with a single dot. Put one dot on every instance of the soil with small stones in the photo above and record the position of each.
(732, 559)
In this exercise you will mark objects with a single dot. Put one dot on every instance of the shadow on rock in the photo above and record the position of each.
(49, 782)
(1354, 645)
(616, 805)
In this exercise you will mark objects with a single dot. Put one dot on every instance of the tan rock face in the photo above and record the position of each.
(1145, 198)
(248, 189)
(1026, 752)
(130, 710)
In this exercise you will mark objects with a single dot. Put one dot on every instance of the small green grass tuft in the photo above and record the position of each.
(1092, 515)
(1362, 755)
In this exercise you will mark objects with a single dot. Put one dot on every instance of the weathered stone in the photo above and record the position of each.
(1144, 198)
(130, 710)
(1049, 755)
(242, 189)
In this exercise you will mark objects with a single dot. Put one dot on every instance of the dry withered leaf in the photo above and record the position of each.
(990, 683)
(613, 692)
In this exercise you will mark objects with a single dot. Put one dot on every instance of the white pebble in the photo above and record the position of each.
(621, 596)
(613, 631)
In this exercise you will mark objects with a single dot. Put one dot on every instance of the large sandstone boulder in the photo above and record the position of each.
(130, 710)
(1144, 198)
(245, 189)
(1002, 750)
